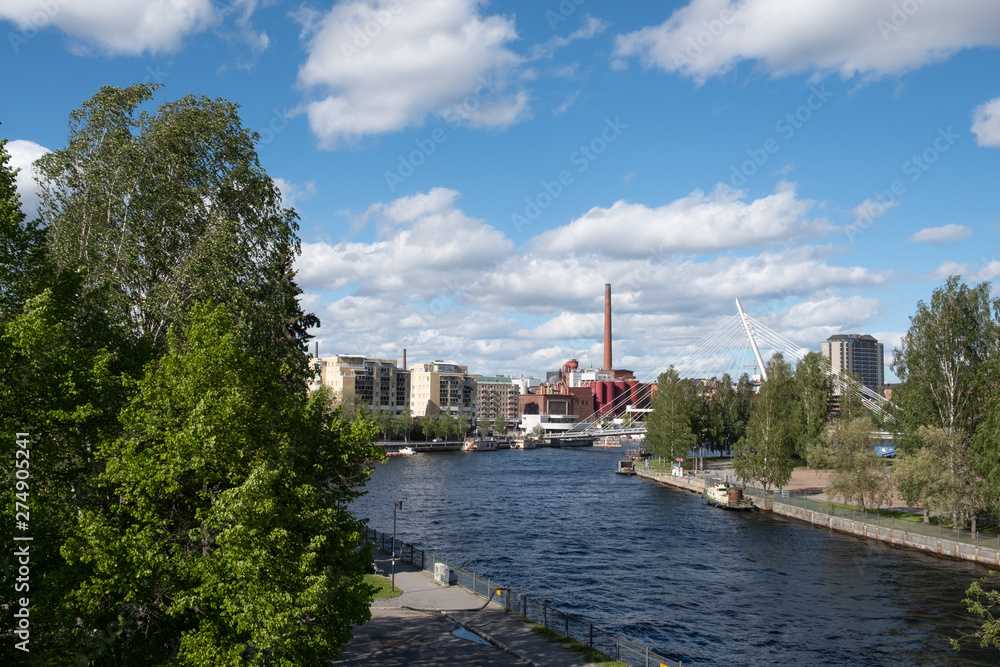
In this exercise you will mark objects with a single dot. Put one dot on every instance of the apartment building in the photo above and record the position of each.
(443, 387)
(860, 354)
(377, 383)
(496, 396)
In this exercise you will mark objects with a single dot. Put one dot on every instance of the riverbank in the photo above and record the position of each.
(418, 629)
(810, 510)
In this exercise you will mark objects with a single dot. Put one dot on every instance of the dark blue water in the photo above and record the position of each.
(663, 568)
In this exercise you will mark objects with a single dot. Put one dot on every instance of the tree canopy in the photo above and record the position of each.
(669, 427)
(189, 501)
(764, 454)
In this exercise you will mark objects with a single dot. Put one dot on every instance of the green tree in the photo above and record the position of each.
(942, 359)
(812, 381)
(981, 598)
(859, 474)
(172, 208)
(764, 454)
(500, 425)
(538, 431)
(483, 426)
(851, 405)
(22, 249)
(939, 475)
(223, 535)
(405, 424)
(745, 398)
(944, 364)
(669, 432)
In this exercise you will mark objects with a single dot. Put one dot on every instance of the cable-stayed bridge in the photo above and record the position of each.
(738, 344)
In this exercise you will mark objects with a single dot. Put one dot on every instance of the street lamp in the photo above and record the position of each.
(398, 505)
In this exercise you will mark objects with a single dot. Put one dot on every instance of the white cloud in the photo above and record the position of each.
(720, 220)
(427, 247)
(443, 284)
(22, 154)
(292, 193)
(986, 123)
(943, 234)
(709, 38)
(128, 27)
(383, 65)
(591, 27)
(948, 268)
(567, 103)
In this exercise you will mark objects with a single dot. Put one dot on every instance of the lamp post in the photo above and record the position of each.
(398, 505)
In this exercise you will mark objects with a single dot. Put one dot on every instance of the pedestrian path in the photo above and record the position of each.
(416, 629)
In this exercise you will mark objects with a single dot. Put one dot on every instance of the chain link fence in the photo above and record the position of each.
(567, 625)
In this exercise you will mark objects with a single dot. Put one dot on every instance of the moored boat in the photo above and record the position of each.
(727, 497)
(479, 446)
(403, 451)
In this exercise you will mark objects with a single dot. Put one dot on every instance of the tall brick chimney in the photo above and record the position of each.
(607, 326)
(404, 358)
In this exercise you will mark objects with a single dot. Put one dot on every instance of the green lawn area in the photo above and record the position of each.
(589, 654)
(383, 587)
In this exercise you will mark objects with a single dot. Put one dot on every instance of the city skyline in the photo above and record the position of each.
(470, 174)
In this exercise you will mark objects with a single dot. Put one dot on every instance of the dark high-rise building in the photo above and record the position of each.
(859, 354)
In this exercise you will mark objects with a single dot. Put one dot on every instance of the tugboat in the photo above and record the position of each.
(724, 496)
(625, 468)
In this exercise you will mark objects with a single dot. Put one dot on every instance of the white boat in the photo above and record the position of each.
(479, 446)
(727, 497)
(403, 451)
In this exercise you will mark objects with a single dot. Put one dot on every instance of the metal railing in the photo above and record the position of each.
(892, 522)
(567, 625)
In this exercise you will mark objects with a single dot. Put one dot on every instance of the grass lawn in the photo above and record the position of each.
(383, 587)
(589, 654)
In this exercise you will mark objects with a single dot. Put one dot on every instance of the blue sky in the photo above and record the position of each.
(470, 174)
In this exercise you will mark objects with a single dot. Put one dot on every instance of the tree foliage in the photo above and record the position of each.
(222, 535)
(941, 360)
(764, 454)
(812, 380)
(939, 475)
(859, 474)
(669, 427)
(172, 208)
(981, 599)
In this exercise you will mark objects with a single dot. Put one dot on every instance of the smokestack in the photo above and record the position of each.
(316, 356)
(404, 358)
(607, 326)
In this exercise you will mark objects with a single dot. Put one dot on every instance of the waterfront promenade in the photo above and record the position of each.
(816, 513)
(398, 634)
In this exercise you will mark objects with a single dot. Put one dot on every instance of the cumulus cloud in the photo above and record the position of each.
(943, 234)
(439, 282)
(722, 219)
(378, 66)
(292, 193)
(126, 27)
(22, 154)
(427, 247)
(986, 123)
(708, 38)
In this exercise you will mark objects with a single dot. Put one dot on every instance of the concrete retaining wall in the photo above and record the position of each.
(688, 483)
(935, 545)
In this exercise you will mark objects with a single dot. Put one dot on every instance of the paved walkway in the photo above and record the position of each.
(399, 635)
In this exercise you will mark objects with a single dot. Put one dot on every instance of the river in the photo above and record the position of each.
(662, 568)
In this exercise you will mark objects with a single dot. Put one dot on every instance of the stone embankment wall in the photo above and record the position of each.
(939, 546)
(903, 538)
